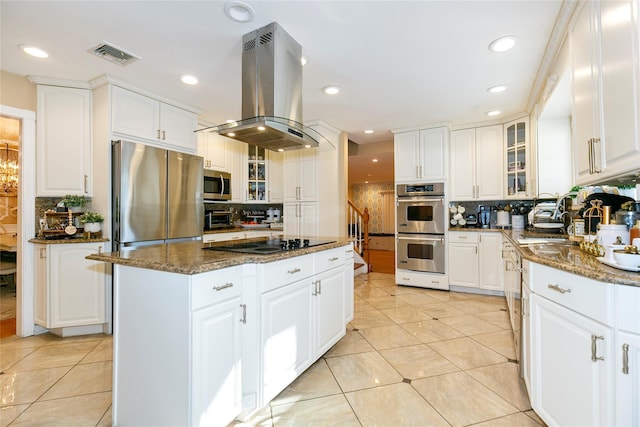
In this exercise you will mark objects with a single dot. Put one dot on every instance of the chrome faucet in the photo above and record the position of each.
(557, 215)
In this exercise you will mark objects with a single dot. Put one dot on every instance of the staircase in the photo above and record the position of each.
(358, 223)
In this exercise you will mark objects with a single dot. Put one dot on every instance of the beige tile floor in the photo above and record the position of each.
(411, 357)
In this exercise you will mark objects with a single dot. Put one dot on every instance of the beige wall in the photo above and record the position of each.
(17, 92)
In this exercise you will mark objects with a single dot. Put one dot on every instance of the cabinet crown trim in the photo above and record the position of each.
(106, 79)
(52, 81)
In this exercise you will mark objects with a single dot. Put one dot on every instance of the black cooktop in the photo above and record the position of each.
(270, 246)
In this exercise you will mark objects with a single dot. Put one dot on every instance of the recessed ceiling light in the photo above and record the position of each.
(231, 134)
(368, 131)
(33, 51)
(261, 128)
(493, 113)
(307, 146)
(281, 149)
(497, 89)
(304, 60)
(331, 90)
(188, 79)
(366, 182)
(374, 160)
(239, 11)
(503, 44)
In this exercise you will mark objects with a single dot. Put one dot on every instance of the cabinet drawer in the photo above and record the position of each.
(215, 286)
(585, 296)
(326, 260)
(280, 273)
(628, 303)
(464, 237)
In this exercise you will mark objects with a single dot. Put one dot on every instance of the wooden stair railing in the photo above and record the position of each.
(358, 223)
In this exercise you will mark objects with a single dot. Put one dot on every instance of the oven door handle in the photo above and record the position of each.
(431, 239)
(412, 200)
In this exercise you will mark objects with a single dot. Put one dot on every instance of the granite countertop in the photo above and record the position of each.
(191, 258)
(568, 257)
(67, 241)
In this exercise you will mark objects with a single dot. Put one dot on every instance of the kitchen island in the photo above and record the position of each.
(202, 336)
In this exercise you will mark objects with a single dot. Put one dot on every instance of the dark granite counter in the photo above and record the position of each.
(191, 258)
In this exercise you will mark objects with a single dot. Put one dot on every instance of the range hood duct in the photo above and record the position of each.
(271, 93)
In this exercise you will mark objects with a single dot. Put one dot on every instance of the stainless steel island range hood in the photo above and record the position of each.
(271, 93)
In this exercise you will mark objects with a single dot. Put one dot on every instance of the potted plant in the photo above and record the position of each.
(91, 221)
(74, 203)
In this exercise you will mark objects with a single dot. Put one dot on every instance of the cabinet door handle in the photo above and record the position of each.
(86, 178)
(594, 348)
(221, 287)
(335, 258)
(317, 287)
(244, 313)
(593, 147)
(625, 359)
(559, 289)
(420, 171)
(294, 271)
(590, 152)
(158, 137)
(164, 135)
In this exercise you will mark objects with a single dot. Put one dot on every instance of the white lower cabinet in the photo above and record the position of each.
(627, 356)
(328, 299)
(302, 314)
(572, 348)
(217, 387)
(525, 342)
(473, 260)
(70, 290)
(286, 333)
(569, 386)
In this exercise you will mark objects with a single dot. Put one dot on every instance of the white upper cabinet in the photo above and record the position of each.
(300, 169)
(213, 149)
(476, 164)
(517, 159)
(605, 73)
(420, 155)
(63, 159)
(147, 118)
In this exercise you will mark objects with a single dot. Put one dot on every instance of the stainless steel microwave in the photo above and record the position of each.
(217, 185)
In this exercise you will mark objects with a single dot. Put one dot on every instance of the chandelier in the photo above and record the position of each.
(9, 170)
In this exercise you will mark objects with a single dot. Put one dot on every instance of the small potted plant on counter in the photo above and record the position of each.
(91, 221)
(74, 203)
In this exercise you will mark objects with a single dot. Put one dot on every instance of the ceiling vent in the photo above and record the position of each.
(114, 54)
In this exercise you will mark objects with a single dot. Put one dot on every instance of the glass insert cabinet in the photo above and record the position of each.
(516, 142)
(257, 173)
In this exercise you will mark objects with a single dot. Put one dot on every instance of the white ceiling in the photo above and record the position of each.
(400, 64)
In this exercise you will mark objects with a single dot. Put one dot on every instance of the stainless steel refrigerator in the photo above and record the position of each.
(157, 195)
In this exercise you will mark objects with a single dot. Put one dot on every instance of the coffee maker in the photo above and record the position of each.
(484, 216)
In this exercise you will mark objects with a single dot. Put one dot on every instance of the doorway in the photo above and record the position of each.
(18, 220)
(10, 131)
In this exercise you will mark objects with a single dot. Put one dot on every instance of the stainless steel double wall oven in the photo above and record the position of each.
(421, 222)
